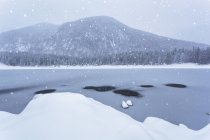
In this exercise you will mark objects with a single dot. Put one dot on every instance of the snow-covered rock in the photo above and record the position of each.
(73, 116)
(129, 102)
(124, 105)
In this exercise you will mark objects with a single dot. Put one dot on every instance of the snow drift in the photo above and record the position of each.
(73, 116)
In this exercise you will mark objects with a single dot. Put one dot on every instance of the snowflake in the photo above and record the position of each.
(11, 11)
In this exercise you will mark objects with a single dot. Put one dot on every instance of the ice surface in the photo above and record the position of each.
(73, 116)
(188, 106)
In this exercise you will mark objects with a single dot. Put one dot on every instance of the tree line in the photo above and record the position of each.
(195, 55)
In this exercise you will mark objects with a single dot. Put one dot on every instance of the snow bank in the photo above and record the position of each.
(65, 116)
(177, 66)
(3, 66)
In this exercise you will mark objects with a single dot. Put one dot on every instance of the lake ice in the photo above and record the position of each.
(189, 106)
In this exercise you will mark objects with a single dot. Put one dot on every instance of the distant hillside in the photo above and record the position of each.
(95, 40)
(25, 39)
(87, 37)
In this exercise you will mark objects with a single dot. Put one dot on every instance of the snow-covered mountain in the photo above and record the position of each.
(87, 37)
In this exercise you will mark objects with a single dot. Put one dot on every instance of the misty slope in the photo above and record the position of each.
(88, 37)
(26, 38)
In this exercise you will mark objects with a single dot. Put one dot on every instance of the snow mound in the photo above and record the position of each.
(73, 116)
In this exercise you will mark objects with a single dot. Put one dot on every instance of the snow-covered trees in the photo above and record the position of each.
(196, 55)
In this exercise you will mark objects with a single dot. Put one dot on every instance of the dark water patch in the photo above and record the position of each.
(176, 85)
(100, 88)
(46, 91)
(147, 86)
(127, 92)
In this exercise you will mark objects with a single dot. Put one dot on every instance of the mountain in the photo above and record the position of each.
(25, 39)
(93, 36)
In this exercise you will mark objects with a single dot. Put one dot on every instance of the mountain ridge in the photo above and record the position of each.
(89, 36)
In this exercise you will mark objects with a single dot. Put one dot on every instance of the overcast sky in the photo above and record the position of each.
(183, 19)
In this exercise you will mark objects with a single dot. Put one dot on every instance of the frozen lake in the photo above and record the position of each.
(188, 105)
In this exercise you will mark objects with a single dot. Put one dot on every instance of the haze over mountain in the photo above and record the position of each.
(87, 37)
(180, 19)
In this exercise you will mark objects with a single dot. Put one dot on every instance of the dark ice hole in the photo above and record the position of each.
(45, 91)
(147, 86)
(176, 85)
(100, 88)
(127, 92)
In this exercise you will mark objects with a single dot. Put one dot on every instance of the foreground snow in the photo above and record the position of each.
(72, 116)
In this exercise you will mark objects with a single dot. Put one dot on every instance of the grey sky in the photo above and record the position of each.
(183, 19)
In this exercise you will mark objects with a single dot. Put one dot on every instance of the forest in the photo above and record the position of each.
(195, 55)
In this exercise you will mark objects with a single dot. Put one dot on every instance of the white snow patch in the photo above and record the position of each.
(3, 66)
(73, 116)
(173, 66)
(124, 105)
(129, 102)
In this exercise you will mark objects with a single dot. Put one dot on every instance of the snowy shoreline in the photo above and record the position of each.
(68, 115)
(172, 66)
